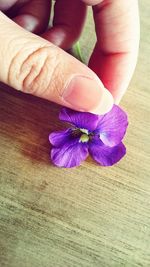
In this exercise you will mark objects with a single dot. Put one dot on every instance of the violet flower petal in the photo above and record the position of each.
(112, 126)
(71, 154)
(83, 120)
(105, 155)
(59, 138)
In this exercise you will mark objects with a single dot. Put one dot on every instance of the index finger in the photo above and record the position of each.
(115, 53)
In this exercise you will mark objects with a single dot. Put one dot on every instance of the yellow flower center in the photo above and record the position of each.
(84, 131)
(84, 138)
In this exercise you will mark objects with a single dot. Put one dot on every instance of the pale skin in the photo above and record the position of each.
(33, 57)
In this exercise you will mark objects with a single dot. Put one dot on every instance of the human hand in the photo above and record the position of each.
(34, 65)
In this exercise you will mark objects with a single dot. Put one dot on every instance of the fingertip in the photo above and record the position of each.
(86, 94)
(106, 103)
(92, 2)
(5, 5)
(57, 36)
(68, 21)
(28, 22)
(34, 15)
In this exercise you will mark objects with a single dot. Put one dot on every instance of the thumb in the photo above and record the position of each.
(34, 65)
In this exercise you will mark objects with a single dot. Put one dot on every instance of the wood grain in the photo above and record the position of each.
(88, 216)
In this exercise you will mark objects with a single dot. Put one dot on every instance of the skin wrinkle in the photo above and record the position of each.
(36, 80)
(15, 59)
(37, 83)
(11, 67)
(32, 58)
(26, 84)
(60, 89)
(113, 59)
(33, 52)
(105, 53)
(31, 91)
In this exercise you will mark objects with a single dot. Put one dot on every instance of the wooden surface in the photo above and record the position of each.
(84, 217)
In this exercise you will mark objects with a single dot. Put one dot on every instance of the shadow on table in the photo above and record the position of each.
(26, 122)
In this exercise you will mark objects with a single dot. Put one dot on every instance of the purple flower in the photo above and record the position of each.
(98, 135)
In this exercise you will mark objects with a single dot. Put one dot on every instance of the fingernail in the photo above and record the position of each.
(4, 5)
(85, 94)
(28, 22)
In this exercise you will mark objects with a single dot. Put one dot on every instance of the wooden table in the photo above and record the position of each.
(84, 217)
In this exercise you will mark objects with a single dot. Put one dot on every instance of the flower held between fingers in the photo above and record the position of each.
(98, 135)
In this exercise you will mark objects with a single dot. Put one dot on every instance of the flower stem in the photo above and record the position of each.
(77, 51)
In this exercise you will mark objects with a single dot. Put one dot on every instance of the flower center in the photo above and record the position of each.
(83, 134)
(84, 138)
(84, 131)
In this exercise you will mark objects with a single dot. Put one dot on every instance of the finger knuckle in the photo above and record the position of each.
(38, 71)
(40, 68)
